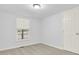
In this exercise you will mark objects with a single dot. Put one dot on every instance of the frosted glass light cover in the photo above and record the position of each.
(36, 6)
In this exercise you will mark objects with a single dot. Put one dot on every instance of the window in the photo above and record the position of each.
(22, 28)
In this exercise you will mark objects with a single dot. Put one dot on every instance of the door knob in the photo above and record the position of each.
(77, 33)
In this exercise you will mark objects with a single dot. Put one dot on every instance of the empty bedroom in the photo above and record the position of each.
(39, 29)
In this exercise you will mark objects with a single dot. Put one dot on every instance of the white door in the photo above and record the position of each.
(71, 30)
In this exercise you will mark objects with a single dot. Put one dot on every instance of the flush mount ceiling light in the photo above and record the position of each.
(36, 6)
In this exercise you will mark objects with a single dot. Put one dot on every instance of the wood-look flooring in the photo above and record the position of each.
(38, 49)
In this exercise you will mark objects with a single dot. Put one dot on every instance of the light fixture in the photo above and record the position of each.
(36, 6)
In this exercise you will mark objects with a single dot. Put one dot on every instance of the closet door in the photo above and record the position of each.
(71, 30)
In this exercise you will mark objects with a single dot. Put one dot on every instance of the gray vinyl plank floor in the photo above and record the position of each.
(38, 49)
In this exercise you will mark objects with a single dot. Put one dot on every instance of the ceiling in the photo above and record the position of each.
(28, 11)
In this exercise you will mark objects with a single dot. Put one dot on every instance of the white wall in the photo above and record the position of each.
(52, 30)
(8, 31)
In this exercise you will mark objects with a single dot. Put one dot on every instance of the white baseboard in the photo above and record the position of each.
(3, 49)
(71, 50)
(51, 45)
(30, 44)
(62, 48)
(54, 46)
